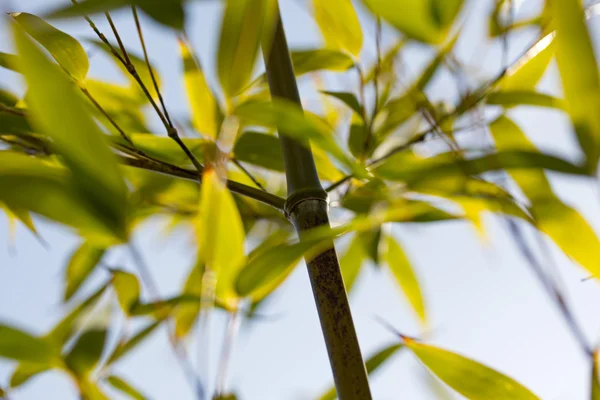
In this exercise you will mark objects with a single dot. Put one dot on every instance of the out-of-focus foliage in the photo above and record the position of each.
(83, 152)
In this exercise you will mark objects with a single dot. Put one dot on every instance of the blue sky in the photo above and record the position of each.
(483, 301)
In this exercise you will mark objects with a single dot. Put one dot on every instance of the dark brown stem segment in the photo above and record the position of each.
(306, 207)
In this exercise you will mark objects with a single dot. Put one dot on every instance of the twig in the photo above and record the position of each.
(227, 349)
(12, 110)
(239, 164)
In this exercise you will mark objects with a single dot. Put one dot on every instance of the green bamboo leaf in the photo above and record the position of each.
(165, 148)
(19, 345)
(445, 11)
(339, 25)
(67, 51)
(511, 98)
(220, 235)
(25, 371)
(347, 98)
(128, 289)
(595, 383)
(75, 135)
(203, 105)
(9, 61)
(81, 263)
(473, 380)
(241, 30)
(166, 12)
(578, 69)
(49, 192)
(555, 218)
(185, 315)
(302, 126)
(407, 167)
(124, 347)
(86, 353)
(358, 142)
(528, 71)
(90, 390)
(125, 387)
(259, 149)
(305, 61)
(372, 364)
(8, 98)
(352, 261)
(402, 270)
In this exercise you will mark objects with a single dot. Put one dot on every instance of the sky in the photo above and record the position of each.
(482, 298)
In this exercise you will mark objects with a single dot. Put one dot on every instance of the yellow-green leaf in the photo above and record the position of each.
(306, 61)
(127, 288)
(473, 380)
(530, 68)
(595, 382)
(125, 347)
(351, 262)
(402, 270)
(220, 234)
(203, 106)
(86, 352)
(19, 345)
(339, 25)
(26, 371)
(259, 149)
(81, 264)
(511, 98)
(579, 74)
(75, 135)
(186, 314)
(241, 30)
(125, 387)
(67, 51)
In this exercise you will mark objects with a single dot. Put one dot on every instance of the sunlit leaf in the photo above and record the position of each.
(511, 98)
(578, 69)
(90, 390)
(339, 25)
(372, 364)
(240, 37)
(75, 135)
(305, 61)
(81, 264)
(351, 262)
(86, 353)
(67, 51)
(19, 345)
(9, 61)
(473, 380)
(124, 347)
(127, 288)
(167, 12)
(165, 148)
(186, 315)
(259, 149)
(25, 371)
(530, 68)
(220, 234)
(347, 98)
(405, 276)
(555, 218)
(203, 106)
(123, 386)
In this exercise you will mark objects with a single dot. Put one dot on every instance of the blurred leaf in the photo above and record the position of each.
(166, 12)
(18, 345)
(67, 51)
(553, 217)
(86, 353)
(125, 347)
(302, 126)
(347, 98)
(469, 378)
(423, 20)
(402, 270)
(527, 72)
(372, 364)
(359, 141)
(351, 262)
(339, 25)
(259, 149)
(8, 98)
(305, 61)
(186, 314)
(25, 371)
(128, 289)
(371, 240)
(595, 383)
(90, 390)
(165, 149)
(513, 98)
(75, 136)
(578, 69)
(406, 167)
(124, 387)
(220, 234)
(203, 106)
(81, 264)
(9, 61)
(239, 41)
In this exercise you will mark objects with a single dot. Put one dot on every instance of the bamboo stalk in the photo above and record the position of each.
(307, 208)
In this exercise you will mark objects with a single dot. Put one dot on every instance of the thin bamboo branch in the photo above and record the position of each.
(242, 168)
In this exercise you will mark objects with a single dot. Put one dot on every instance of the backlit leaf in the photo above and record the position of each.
(124, 347)
(67, 51)
(75, 135)
(19, 345)
(406, 278)
(127, 288)
(125, 387)
(86, 353)
(513, 98)
(347, 98)
(25, 371)
(351, 262)
(473, 380)
(305, 61)
(203, 105)
(579, 74)
(259, 149)
(186, 314)
(339, 25)
(530, 68)
(81, 264)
